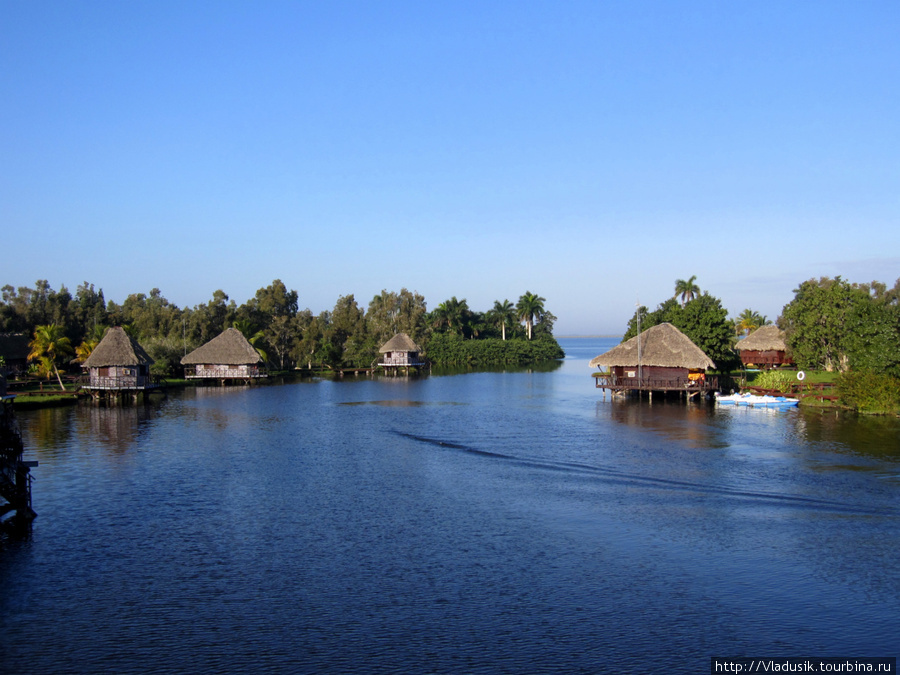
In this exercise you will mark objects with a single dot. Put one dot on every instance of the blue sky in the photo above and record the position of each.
(590, 152)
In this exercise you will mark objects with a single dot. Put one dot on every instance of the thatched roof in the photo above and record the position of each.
(764, 339)
(663, 345)
(401, 342)
(117, 348)
(229, 348)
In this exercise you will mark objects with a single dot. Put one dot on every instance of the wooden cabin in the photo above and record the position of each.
(118, 363)
(400, 352)
(228, 356)
(764, 348)
(662, 358)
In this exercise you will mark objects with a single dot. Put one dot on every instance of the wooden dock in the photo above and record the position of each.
(16, 513)
(684, 387)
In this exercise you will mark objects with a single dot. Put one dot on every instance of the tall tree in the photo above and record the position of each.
(529, 308)
(274, 300)
(705, 321)
(452, 313)
(503, 314)
(835, 325)
(48, 347)
(687, 289)
(748, 321)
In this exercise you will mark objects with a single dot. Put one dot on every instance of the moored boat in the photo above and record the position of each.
(757, 401)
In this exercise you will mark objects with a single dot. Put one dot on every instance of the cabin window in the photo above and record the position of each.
(631, 373)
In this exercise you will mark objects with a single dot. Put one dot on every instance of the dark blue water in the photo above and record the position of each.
(479, 523)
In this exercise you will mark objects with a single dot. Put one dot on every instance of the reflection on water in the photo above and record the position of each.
(491, 522)
(693, 422)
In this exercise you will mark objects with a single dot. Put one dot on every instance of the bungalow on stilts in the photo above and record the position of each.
(764, 348)
(661, 359)
(118, 366)
(228, 356)
(400, 352)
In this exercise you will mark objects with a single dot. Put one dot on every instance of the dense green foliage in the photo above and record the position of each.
(348, 336)
(834, 325)
(775, 379)
(870, 392)
(702, 319)
(448, 349)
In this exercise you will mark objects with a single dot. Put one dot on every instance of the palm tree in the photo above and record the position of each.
(529, 308)
(89, 343)
(252, 336)
(84, 350)
(748, 321)
(503, 314)
(687, 289)
(454, 313)
(48, 346)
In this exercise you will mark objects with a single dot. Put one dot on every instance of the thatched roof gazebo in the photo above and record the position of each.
(400, 352)
(228, 356)
(118, 363)
(661, 358)
(765, 348)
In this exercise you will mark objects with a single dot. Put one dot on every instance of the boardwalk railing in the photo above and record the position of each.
(122, 382)
(224, 372)
(401, 361)
(610, 381)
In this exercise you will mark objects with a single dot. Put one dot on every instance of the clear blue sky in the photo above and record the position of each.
(590, 152)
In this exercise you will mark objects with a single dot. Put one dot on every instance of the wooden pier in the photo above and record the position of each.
(685, 387)
(16, 513)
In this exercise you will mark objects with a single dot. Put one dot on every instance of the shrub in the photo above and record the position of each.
(772, 379)
(870, 392)
(446, 349)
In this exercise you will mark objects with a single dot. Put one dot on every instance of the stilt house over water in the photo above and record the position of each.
(228, 356)
(764, 348)
(661, 358)
(118, 363)
(401, 352)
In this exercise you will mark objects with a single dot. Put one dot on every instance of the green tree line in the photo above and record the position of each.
(830, 324)
(348, 335)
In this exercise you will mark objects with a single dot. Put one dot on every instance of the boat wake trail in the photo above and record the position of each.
(609, 475)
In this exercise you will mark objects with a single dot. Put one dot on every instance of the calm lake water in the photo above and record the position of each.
(510, 522)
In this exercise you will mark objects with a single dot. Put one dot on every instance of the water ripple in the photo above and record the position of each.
(632, 479)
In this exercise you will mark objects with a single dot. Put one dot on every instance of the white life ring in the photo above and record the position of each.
(801, 376)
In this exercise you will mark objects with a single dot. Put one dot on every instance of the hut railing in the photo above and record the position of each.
(121, 382)
(402, 361)
(610, 381)
(224, 372)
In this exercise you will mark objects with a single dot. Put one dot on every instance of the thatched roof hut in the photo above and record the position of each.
(117, 348)
(662, 346)
(400, 351)
(229, 355)
(764, 339)
(401, 342)
(765, 348)
(118, 363)
(229, 348)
